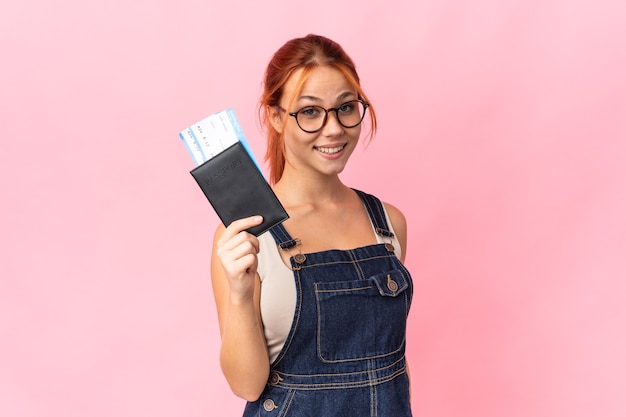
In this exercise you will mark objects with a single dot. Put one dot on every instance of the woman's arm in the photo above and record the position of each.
(243, 356)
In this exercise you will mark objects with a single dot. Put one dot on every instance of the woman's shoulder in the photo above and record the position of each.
(398, 222)
(395, 215)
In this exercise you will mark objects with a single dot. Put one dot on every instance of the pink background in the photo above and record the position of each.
(502, 138)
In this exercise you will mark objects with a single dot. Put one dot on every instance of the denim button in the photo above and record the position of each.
(389, 247)
(299, 258)
(392, 285)
(268, 405)
(274, 378)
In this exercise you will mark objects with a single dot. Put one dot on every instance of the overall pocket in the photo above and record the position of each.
(362, 319)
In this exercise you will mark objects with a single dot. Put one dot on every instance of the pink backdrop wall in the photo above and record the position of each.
(502, 137)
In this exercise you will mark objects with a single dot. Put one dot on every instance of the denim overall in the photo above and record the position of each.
(344, 355)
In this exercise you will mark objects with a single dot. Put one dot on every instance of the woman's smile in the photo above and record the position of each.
(330, 150)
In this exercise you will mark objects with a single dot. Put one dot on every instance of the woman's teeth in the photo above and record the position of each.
(330, 150)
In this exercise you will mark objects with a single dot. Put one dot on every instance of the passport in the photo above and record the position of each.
(228, 173)
(236, 189)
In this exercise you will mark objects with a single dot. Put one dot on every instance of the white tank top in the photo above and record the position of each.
(278, 290)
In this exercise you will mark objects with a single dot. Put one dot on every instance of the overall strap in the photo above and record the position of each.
(282, 237)
(376, 212)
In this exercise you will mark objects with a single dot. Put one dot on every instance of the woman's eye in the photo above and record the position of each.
(346, 107)
(310, 112)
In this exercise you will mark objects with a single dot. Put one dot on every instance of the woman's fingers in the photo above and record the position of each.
(234, 240)
(240, 225)
(237, 251)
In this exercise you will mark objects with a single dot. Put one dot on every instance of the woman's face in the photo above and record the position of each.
(326, 151)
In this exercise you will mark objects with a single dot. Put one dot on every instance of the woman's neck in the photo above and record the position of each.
(300, 189)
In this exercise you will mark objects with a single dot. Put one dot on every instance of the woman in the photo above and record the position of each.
(313, 313)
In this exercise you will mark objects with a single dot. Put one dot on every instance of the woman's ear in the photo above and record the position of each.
(275, 117)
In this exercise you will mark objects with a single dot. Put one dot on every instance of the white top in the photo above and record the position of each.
(278, 290)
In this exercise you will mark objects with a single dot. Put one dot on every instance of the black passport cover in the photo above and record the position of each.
(237, 189)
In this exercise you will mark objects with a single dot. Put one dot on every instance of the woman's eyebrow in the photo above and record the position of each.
(346, 95)
(312, 98)
(317, 99)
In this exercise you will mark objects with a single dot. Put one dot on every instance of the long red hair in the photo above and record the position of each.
(307, 53)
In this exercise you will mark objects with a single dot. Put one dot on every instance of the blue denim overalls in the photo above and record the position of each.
(344, 355)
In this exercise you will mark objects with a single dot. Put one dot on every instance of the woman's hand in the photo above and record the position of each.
(237, 252)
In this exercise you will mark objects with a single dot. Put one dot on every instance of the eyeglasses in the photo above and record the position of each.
(312, 119)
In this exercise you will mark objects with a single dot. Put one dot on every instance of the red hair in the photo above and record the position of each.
(307, 53)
